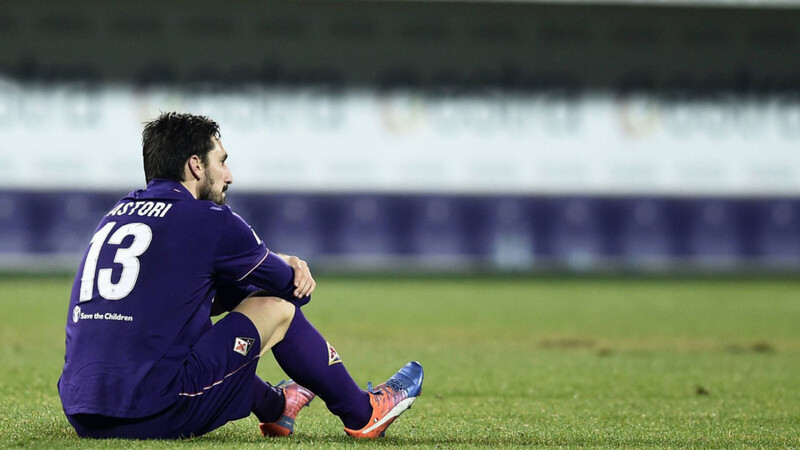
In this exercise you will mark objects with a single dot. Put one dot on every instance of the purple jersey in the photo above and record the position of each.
(143, 295)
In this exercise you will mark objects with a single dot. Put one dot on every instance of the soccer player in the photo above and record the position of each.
(143, 359)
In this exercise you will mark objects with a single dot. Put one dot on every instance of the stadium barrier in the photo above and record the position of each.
(451, 233)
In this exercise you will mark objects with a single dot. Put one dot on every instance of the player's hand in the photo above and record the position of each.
(303, 281)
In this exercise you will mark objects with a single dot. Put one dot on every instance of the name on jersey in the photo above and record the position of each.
(149, 209)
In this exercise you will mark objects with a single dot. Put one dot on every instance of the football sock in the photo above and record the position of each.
(309, 360)
(268, 401)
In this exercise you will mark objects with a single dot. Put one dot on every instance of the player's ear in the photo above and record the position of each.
(195, 166)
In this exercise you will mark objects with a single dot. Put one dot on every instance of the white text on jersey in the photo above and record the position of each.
(149, 209)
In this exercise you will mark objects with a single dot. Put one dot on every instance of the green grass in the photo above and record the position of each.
(509, 362)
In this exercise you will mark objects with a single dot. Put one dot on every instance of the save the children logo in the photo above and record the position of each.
(78, 314)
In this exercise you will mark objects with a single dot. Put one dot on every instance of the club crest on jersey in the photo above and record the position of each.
(333, 357)
(241, 345)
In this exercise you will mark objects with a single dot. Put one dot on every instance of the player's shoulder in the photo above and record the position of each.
(210, 207)
(223, 213)
(203, 211)
(234, 217)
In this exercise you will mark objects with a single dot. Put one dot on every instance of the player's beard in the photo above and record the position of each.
(206, 191)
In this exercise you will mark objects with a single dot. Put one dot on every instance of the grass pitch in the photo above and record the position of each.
(509, 363)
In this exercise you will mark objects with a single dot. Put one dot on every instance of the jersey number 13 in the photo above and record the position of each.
(127, 257)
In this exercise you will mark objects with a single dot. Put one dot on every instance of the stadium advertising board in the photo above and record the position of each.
(497, 141)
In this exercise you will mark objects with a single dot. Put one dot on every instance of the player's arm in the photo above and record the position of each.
(276, 277)
(229, 295)
(242, 257)
(303, 281)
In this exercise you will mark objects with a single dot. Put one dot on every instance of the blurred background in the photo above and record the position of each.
(422, 136)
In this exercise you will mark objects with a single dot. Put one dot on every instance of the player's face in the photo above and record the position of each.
(217, 175)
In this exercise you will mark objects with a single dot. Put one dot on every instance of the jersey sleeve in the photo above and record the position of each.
(276, 277)
(239, 249)
(243, 258)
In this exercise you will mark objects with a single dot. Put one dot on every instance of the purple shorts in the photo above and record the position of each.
(216, 388)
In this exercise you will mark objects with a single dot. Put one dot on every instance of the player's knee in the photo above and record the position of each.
(271, 316)
(281, 309)
(277, 309)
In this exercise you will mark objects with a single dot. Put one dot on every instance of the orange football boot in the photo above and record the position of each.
(390, 399)
(296, 397)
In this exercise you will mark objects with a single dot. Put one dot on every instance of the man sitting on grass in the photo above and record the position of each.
(143, 359)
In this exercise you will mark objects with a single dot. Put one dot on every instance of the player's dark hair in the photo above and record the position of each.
(171, 139)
